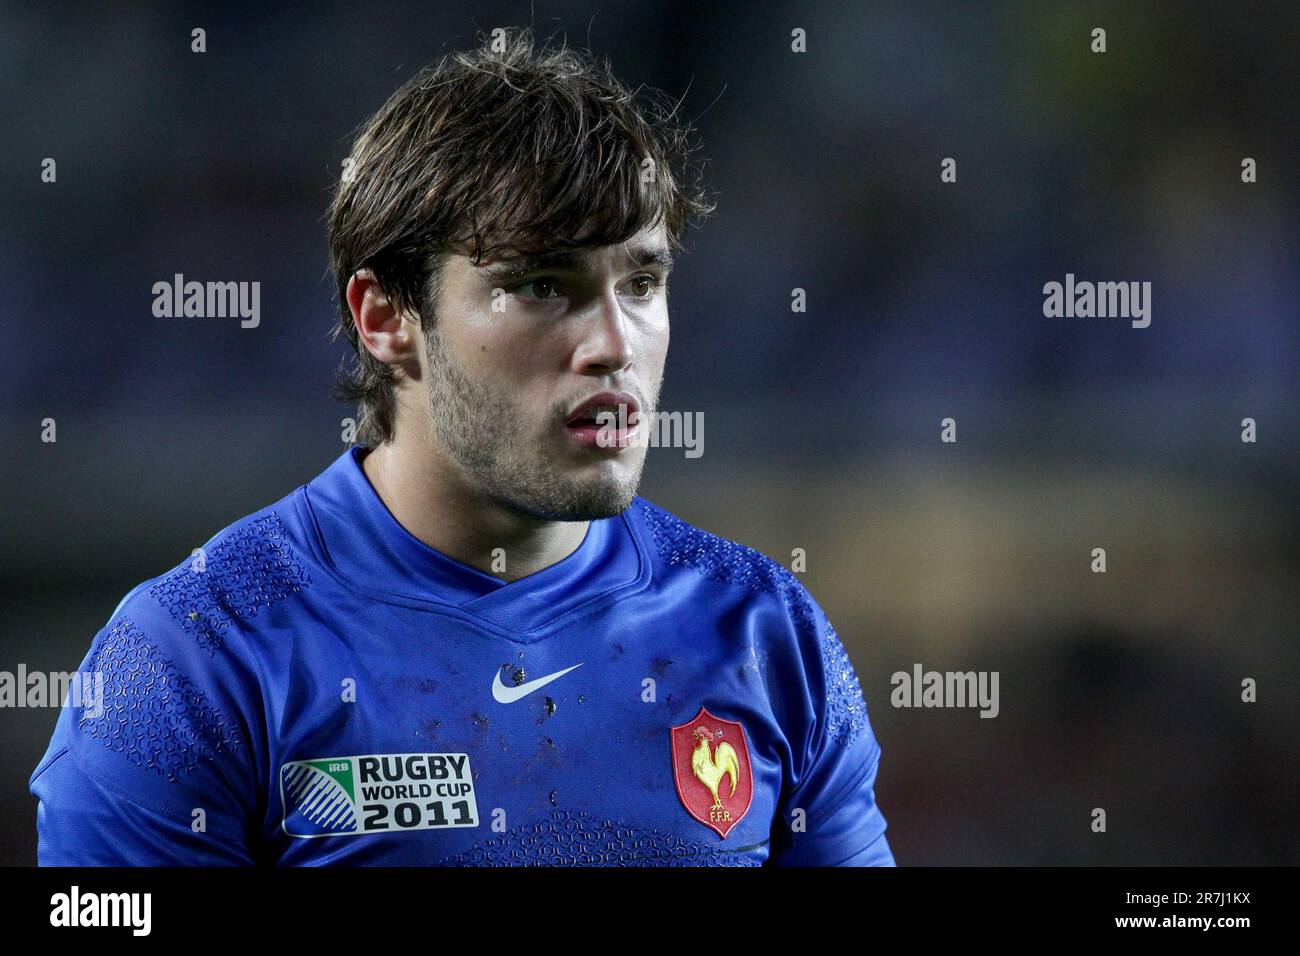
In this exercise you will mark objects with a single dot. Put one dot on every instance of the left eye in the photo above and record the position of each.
(644, 285)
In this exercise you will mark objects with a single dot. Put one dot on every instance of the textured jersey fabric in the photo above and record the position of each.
(317, 686)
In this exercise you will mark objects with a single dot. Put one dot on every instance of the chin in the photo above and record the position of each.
(595, 504)
(577, 501)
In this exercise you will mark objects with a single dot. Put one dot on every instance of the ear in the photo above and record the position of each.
(389, 334)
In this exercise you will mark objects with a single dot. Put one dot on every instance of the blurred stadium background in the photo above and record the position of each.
(821, 429)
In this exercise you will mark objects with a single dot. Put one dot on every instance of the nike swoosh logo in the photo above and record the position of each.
(508, 695)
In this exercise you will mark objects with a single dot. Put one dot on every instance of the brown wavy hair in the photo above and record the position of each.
(513, 145)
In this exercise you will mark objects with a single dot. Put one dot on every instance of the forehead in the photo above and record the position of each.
(647, 247)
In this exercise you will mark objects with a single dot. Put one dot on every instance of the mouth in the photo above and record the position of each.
(604, 421)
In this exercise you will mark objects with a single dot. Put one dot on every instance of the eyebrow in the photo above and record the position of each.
(567, 260)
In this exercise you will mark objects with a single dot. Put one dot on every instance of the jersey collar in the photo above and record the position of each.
(370, 549)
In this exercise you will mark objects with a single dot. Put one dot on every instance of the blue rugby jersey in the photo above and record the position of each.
(317, 686)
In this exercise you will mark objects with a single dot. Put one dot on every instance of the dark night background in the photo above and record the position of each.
(1118, 690)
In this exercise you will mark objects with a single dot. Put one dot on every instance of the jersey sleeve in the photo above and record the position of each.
(830, 816)
(150, 763)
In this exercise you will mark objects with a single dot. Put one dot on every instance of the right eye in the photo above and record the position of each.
(541, 289)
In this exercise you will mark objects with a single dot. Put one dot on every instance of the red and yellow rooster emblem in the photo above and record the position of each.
(711, 768)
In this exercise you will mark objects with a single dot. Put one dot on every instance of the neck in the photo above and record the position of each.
(429, 500)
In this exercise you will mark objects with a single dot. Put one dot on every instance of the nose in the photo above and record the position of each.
(606, 348)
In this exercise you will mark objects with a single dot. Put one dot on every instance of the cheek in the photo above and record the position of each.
(516, 358)
(656, 341)
(517, 367)
(489, 351)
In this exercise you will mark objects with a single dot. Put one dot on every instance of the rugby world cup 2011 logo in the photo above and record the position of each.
(377, 793)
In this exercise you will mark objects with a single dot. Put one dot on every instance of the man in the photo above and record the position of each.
(467, 641)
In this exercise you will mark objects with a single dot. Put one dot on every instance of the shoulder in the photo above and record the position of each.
(231, 580)
(751, 576)
(180, 684)
(683, 549)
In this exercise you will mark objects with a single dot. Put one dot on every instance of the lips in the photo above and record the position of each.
(585, 414)
(589, 431)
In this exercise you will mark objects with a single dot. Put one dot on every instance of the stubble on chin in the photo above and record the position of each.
(485, 435)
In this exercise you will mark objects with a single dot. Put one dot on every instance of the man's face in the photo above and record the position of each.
(506, 380)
